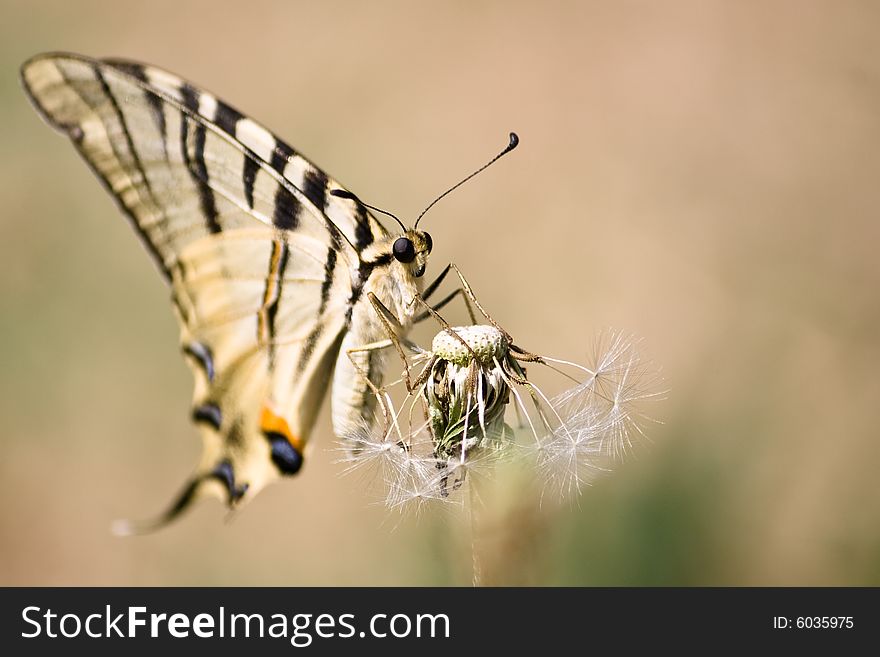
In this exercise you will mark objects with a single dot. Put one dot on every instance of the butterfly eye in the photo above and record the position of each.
(429, 243)
(403, 249)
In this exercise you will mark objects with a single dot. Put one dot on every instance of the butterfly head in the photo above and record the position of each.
(412, 249)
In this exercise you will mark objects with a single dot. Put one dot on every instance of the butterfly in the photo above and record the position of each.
(283, 282)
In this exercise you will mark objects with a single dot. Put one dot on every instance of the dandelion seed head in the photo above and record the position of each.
(473, 378)
(484, 342)
(466, 397)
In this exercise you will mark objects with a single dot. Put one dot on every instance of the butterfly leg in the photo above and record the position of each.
(390, 323)
(445, 301)
(519, 354)
(433, 288)
(393, 328)
(377, 393)
(433, 285)
(432, 312)
(469, 292)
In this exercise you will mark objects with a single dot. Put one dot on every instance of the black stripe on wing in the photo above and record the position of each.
(272, 309)
(196, 164)
(287, 206)
(76, 135)
(315, 185)
(311, 340)
(155, 103)
(227, 118)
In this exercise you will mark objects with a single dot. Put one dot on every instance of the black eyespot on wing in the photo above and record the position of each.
(429, 243)
(403, 250)
(208, 413)
(225, 474)
(284, 455)
(203, 356)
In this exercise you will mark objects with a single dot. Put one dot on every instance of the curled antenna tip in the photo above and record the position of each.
(514, 142)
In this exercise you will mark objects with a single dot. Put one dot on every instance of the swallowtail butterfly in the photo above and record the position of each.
(270, 261)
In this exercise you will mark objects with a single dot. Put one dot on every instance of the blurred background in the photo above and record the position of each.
(702, 174)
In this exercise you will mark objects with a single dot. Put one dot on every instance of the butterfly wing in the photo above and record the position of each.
(261, 259)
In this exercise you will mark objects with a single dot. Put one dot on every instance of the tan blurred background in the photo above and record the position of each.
(704, 174)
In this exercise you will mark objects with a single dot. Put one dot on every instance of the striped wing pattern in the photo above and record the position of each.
(263, 263)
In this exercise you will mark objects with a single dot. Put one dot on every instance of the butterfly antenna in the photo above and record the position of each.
(344, 193)
(514, 142)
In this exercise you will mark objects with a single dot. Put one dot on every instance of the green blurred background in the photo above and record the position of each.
(704, 174)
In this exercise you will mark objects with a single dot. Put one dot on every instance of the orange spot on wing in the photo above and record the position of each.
(271, 422)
